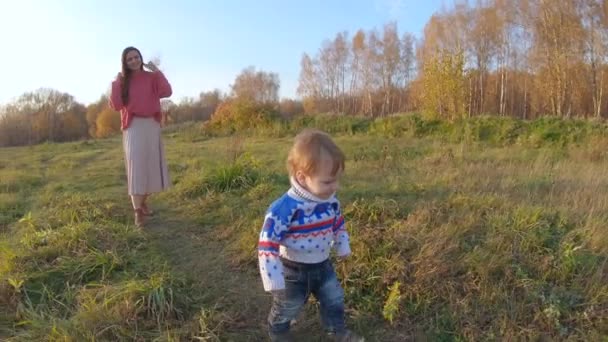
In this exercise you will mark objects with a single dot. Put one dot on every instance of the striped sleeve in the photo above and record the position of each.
(271, 267)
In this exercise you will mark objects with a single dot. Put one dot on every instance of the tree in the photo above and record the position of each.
(45, 114)
(557, 31)
(358, 48)
(209, 101)
(389, 60)
(92, 112)
(595, 26)
(309, 84)
(289, 108)
(256, 86)
(107, 123)
(444, 85)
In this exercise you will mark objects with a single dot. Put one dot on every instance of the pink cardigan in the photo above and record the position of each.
(145, 91)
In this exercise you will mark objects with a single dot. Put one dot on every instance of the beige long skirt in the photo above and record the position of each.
(145, 161)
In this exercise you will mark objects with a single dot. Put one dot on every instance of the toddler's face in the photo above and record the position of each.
(322, 184)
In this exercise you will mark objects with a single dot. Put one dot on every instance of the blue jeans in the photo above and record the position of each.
(302, 280)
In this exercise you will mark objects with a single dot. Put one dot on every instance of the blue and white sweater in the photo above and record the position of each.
(299, 227)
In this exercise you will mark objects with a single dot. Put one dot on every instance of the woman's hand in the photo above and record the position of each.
(151, 66)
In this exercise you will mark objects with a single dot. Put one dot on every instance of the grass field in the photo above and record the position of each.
(499, 233)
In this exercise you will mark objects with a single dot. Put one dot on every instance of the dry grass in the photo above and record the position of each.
(501, 239)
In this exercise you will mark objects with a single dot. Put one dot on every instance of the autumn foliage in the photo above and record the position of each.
(523, 59)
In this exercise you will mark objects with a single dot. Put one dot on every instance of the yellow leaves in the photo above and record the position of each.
(108, 123)
(391, 306)
(444, 86)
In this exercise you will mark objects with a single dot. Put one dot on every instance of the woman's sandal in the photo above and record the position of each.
(139, 217)
(147, 211)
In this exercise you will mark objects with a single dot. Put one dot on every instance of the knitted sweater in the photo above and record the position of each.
(299, 227)
(145, 91)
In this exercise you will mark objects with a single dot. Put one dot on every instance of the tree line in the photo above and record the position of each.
(51, 115)
(521, 58)
(518, 58)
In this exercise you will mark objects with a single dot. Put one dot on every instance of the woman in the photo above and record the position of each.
(136, 93)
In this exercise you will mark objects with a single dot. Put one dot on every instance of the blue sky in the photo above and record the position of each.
(74, 45)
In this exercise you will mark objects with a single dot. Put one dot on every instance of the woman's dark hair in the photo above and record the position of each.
(127, 73)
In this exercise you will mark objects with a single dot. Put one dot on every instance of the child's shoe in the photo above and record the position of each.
(283, 337)
(348, 336)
